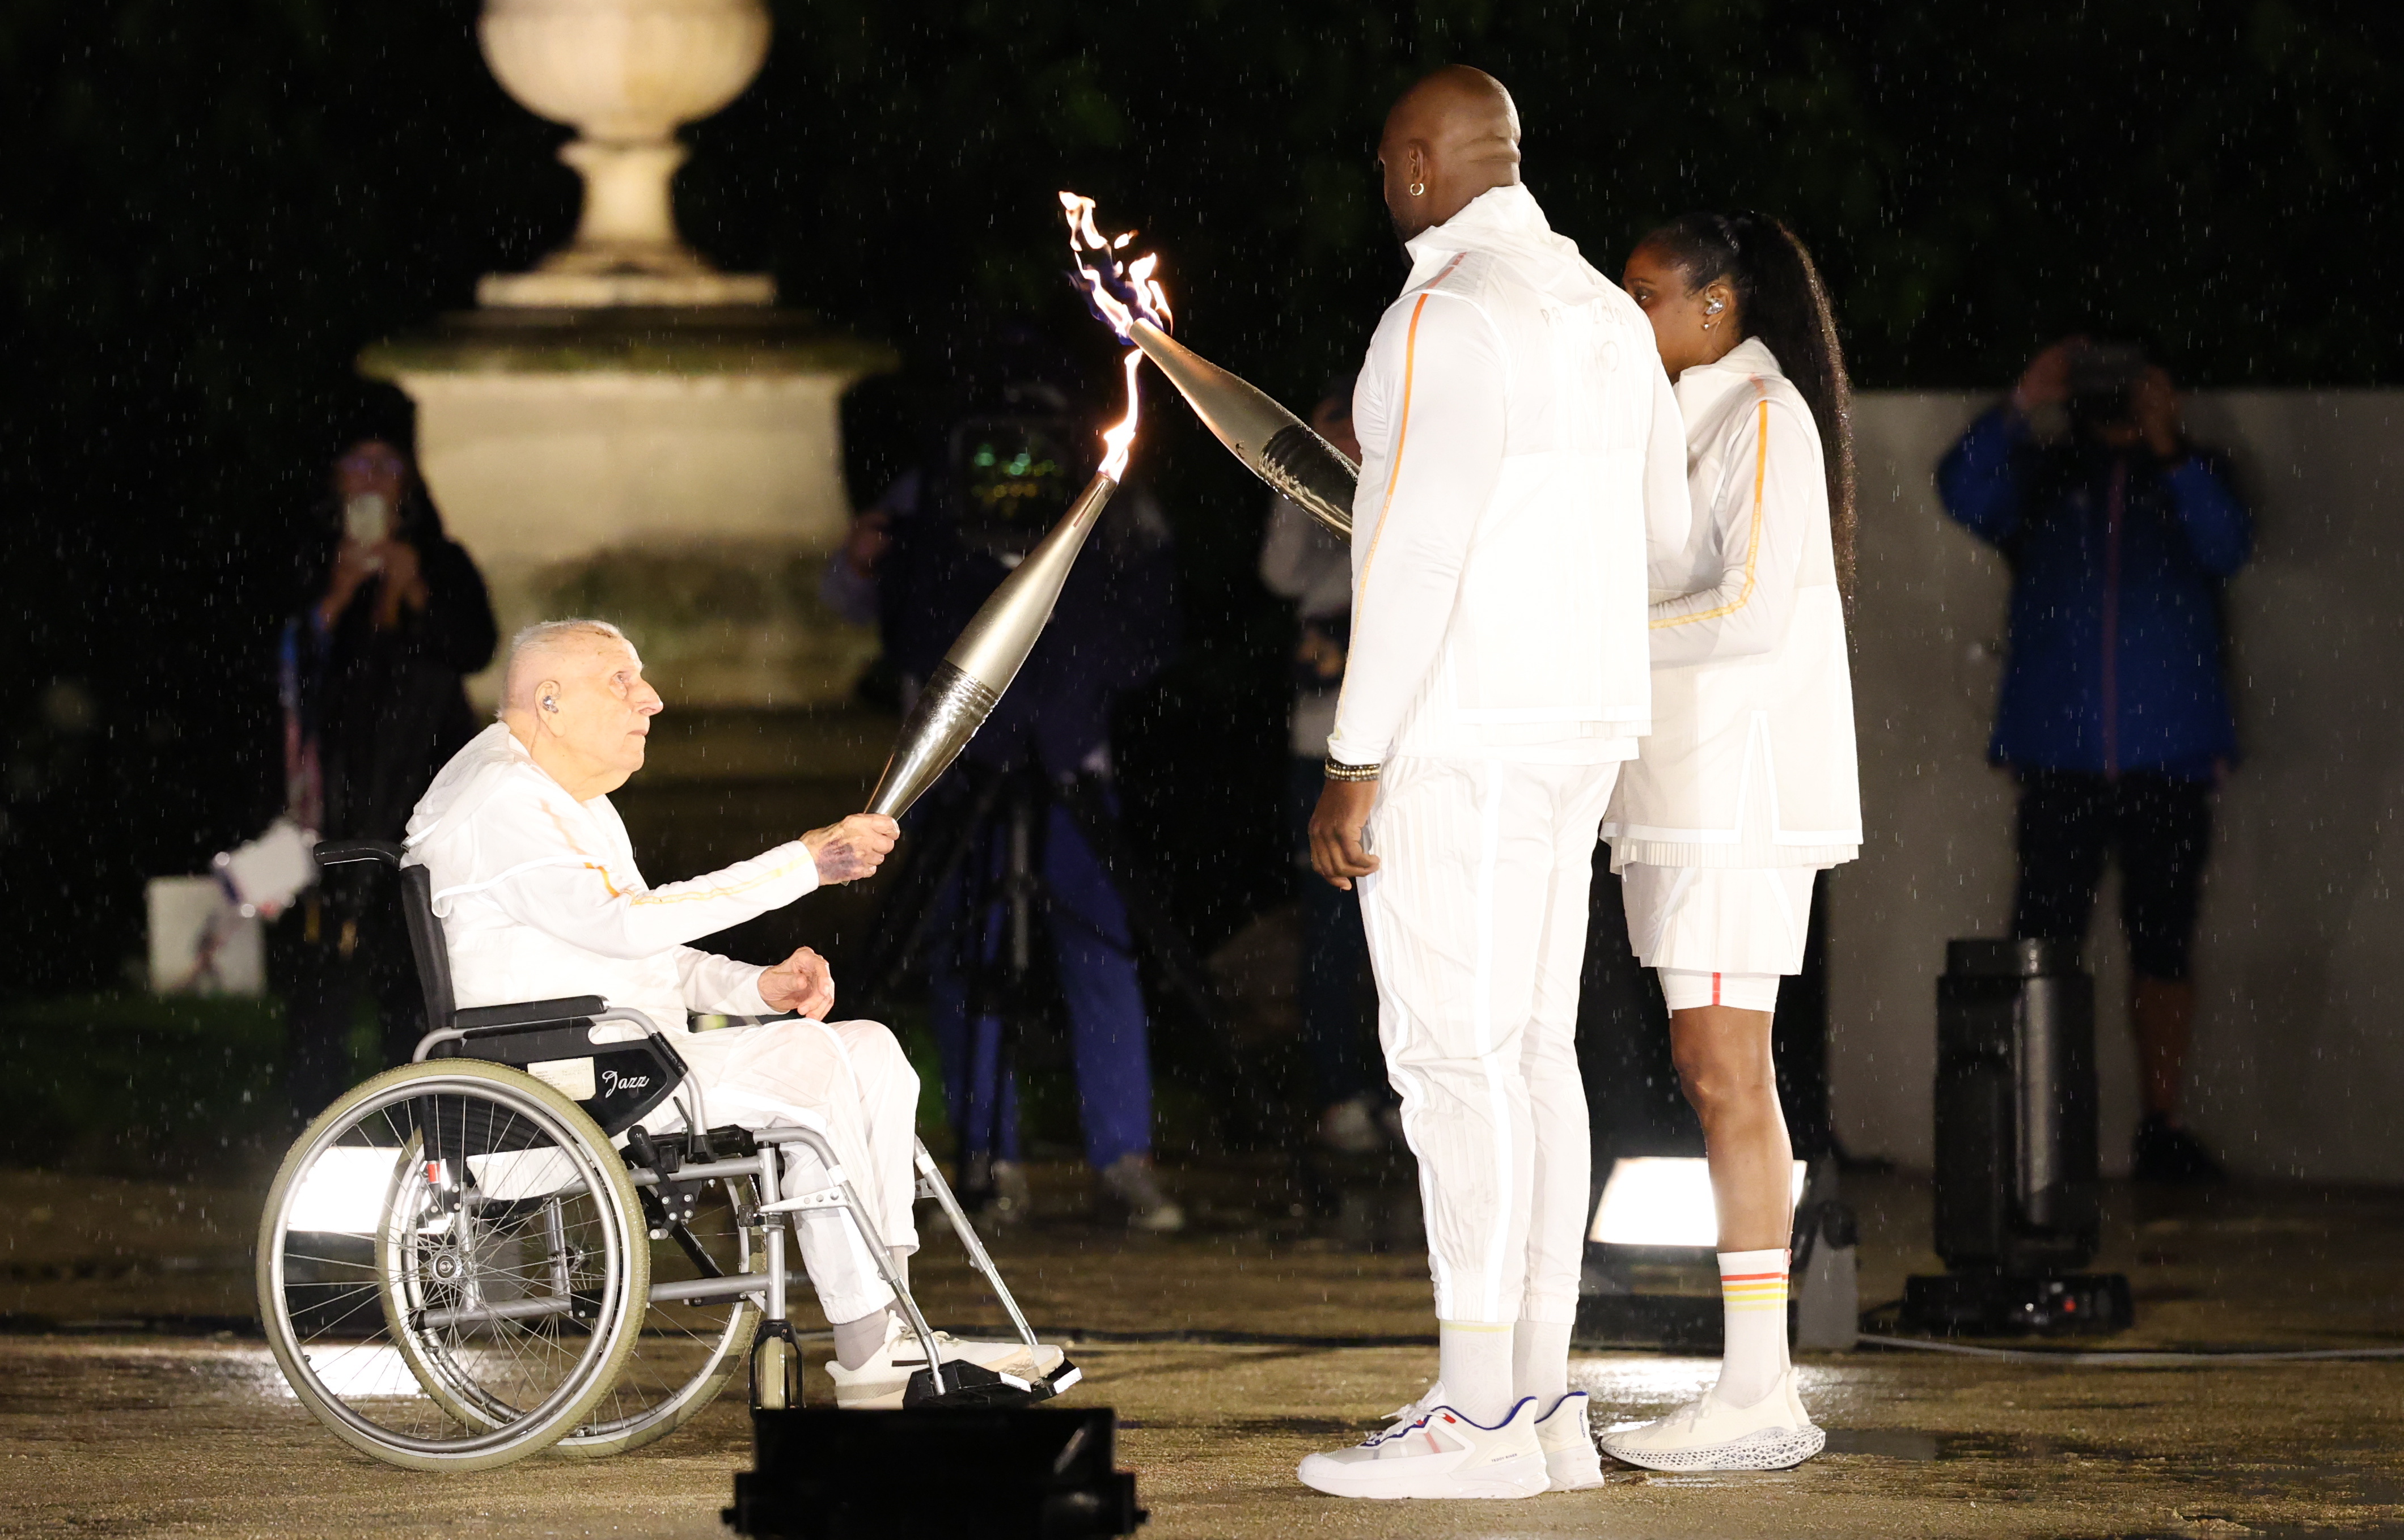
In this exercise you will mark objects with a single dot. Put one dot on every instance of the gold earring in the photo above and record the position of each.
(1418, 190)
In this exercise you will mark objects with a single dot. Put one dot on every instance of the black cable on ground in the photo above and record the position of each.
(2132, 1358)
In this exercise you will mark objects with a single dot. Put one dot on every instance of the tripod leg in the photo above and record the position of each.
(902, 925)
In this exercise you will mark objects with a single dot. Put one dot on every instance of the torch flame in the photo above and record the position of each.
(1119, 439)
(1121, 294)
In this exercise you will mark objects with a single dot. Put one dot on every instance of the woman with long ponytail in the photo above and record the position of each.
(1746, 788)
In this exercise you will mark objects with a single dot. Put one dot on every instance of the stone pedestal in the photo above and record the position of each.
(679, 472)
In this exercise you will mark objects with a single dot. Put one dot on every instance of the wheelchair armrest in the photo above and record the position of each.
(335, 852)
(531, 1013)
(631, 1077)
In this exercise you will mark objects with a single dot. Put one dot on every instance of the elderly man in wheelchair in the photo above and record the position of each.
(533, 1236)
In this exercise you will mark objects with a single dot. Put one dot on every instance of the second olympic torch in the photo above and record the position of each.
(1275, 444)
(968, 682)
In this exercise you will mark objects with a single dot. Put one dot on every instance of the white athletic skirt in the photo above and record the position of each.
(1718, 920)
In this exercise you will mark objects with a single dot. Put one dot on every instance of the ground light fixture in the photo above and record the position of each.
(2018, 1207)
(343, 1192)
(1651, 1277)
(1662, 1201)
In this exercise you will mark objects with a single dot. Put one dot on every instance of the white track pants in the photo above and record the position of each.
(1477, 921)
(851, 1082)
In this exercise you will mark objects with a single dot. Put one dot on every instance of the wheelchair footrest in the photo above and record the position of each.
(974, 1385)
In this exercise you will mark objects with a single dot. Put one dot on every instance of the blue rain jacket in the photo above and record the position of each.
(2116, 651)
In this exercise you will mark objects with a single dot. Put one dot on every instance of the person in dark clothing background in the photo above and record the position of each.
(1301, 561)
(1002, 469)
(2114, 715)
(393, 617)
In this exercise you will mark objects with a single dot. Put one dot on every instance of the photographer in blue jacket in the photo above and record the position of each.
(2113, 714)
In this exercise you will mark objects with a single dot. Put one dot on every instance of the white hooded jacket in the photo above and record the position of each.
(1521, 446)
(539, 896)
(1751, 760)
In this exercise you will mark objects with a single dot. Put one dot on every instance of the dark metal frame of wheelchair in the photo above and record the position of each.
(668, 1171)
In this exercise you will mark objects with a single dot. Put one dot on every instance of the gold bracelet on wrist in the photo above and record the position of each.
(1338, 771)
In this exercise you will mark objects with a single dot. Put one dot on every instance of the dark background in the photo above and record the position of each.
(207, 209)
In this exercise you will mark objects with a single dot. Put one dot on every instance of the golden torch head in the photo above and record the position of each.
(1277, 446)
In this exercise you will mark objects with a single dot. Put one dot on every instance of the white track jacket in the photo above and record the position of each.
(1519, 445)
(1751, 758)
(539, 896)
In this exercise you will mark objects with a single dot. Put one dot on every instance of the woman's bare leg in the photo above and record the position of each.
(1725, 1067)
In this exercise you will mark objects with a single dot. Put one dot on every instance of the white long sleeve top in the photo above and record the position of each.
(1522, 448)
(539, 896)
(1751, 761)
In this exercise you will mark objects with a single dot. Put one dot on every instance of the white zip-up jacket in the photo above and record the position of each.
(539, 896)
(1750, 759)
(1520, 445)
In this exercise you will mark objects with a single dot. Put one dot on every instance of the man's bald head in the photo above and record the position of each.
(1450, 137)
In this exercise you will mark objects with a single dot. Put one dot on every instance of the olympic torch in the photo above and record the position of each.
(968, 682)
(1277, 446)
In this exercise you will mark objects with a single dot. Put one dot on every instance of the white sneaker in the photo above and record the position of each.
(1570, 1461)
(1775, 1432)
(880, 1383)
(1130, 1184)
(1432, 1451)
(1351, 1128)
(1014, 1200)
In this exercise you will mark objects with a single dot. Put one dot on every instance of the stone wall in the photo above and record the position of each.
(2298, 1057)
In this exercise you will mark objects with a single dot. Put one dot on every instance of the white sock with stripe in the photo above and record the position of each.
(1753, 1300)
(1473, 1363)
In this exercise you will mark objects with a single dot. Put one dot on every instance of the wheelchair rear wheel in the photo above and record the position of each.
(688, 1350)
(452, 1268)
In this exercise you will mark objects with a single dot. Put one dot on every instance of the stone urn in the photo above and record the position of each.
(625, 430)
(626, 74)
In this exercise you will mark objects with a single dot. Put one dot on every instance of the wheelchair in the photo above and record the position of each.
(460, 1266)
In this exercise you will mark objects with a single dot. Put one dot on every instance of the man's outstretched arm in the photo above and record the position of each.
(578, 903)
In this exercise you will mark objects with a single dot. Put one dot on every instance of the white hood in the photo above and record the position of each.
(467, 781)
(1508, 223)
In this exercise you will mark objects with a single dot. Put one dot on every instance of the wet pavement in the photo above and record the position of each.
(134, 1401)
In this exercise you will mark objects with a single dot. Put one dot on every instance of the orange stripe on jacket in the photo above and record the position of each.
(1394, 469)
(1751, 550)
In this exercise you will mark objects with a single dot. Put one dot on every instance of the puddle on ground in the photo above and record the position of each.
(1885, 1443)
(1906, 1444)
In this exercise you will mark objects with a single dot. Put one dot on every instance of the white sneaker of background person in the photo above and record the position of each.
(1774, 1433)
(1432, 1449)
(880, 1383)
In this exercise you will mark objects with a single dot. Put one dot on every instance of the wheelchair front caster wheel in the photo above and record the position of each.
(776, 1373)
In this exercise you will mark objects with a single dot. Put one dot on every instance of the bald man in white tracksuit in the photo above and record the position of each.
(1522, 451)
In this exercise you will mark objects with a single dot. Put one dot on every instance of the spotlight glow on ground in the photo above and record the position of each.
(1662, 1201)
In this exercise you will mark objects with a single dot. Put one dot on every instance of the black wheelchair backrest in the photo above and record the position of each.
(417, 914)
(426, 944)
